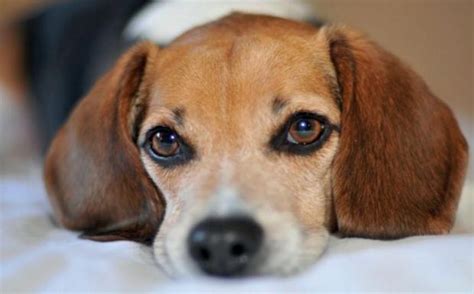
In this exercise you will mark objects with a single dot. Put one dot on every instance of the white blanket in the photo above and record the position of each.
(37, 256)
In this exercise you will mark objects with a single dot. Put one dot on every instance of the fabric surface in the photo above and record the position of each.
(35, 255)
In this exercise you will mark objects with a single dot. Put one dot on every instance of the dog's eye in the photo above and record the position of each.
(304, 131)
(166, 147)
(302, 134)
(164, 142)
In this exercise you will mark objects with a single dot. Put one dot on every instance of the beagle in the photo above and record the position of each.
(241, 146)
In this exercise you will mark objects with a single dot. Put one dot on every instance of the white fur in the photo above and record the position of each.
(280, 254)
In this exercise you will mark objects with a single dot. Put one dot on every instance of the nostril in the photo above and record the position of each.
(237, 250)
(204, 254)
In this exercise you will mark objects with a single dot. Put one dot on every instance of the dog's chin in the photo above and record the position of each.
(287, 248)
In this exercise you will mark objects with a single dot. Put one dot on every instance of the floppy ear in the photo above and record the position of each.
(401, 162)
(94, 177)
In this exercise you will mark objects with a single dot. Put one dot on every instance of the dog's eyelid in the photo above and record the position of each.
(300, 113)
(169, 121)
(151, 130)
(145, 135)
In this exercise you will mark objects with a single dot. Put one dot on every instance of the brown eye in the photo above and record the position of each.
(165, 142)
(304, 131)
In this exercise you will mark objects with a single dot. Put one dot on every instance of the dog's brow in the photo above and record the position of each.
(178, 114)
(335, 91)
(278, 104)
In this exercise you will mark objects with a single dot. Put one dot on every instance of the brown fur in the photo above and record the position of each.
(402, 158)
(396, 168)
(93, 174)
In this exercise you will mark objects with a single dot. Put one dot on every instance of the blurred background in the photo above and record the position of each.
(52, 51)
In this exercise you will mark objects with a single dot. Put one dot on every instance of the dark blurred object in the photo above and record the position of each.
(68, 45)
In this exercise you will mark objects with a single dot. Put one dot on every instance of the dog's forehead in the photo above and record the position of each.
(221, 71)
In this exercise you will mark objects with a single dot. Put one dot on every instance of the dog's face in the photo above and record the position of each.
(243, 128)
(243, 144)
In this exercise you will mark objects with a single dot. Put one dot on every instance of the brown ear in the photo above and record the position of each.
(402, 158)
(94, 177)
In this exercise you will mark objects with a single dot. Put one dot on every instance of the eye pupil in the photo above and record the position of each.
(165, 143)
(304, 128)
(304, 131)
(166, 138)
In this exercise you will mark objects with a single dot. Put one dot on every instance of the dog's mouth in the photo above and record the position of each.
(233, 237)
(237, 245)
(225, 247)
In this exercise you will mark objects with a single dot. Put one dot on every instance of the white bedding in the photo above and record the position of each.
(37, 256)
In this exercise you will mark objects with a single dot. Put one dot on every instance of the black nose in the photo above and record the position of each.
(225, 246)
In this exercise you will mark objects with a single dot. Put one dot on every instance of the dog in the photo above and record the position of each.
(62, 56)
(241, 146)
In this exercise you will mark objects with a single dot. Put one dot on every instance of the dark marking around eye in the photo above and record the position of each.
(280, 143)
(183, 155)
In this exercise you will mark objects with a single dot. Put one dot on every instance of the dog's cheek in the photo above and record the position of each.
(293, 251)
(164, 246)
(183, 210)
(309, 203)
(313, 247)
(160, 248)
(313, 207)
(309, 250)
(313, 201)
(175, 246)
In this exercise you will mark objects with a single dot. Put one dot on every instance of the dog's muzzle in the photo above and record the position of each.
(225, 246)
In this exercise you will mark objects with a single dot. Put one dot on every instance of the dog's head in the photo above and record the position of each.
(243, 144)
